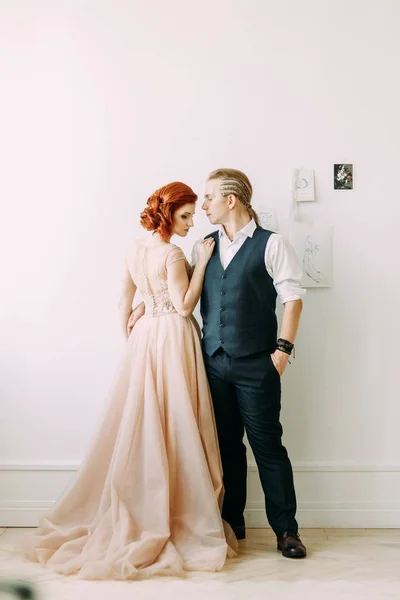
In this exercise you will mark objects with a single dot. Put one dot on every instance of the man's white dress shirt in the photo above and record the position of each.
(280, 260)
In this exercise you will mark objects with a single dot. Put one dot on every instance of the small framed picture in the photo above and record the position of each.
(343, 177)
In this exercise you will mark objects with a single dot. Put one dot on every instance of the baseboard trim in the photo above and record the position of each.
(28, 490)
(323, 515)
(338, 515)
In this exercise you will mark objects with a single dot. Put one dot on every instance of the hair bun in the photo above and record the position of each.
(150, 218)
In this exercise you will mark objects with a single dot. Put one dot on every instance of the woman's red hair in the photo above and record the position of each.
(161, 205)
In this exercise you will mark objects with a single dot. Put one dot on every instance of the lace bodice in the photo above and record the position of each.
(159, 303)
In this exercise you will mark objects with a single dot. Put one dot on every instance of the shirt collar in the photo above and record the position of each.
(248, 230)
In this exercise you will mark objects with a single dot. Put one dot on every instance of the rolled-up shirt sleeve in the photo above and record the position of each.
(283, 266)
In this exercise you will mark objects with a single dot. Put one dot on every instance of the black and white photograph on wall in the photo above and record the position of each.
(343, 177)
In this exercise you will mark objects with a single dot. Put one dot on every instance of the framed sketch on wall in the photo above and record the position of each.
(304, 185)
(314, 249)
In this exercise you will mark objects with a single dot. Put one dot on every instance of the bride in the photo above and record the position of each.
(147, 499)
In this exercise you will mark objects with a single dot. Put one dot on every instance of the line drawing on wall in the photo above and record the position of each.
(268, 219)
(313, 246)
(310, 260)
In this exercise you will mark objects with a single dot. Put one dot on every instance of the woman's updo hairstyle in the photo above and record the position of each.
(158, 214)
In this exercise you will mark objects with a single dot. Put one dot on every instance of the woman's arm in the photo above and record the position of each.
(184, 294)
(128, 291)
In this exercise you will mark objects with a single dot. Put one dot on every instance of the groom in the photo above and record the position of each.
(244, 355)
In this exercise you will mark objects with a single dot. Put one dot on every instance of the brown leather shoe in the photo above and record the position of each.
(290, 544)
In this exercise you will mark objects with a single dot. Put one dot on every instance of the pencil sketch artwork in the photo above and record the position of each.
(313, 247)
(304, 185)
(268, 219)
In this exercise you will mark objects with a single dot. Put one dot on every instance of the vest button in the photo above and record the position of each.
(221, 325)
(222, 293)
(222, 309)
(223, 276)
(221, 342)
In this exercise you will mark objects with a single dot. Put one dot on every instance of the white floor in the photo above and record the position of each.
(342, 563)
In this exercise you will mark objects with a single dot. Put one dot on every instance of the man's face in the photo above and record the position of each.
(215, 205)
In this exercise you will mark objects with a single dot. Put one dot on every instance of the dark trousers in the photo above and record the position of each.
(246, 394)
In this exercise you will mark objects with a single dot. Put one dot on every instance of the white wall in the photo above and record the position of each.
(102, 102)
